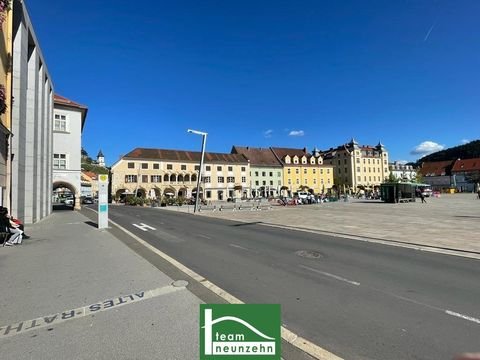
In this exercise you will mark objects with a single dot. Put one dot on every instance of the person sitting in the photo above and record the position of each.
(10, 227)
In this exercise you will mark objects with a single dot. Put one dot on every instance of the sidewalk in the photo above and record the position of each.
(72, 291)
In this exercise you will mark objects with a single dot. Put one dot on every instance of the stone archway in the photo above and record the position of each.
(65, 196)
(182, 192)
(169, 192)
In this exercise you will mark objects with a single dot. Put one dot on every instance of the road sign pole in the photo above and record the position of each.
(103, 201)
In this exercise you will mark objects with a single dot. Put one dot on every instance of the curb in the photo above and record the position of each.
(306, 346)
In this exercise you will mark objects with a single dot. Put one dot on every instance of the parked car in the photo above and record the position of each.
(87, 200)
(69, 201)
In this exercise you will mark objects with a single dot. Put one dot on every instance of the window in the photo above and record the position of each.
(373, 169)
(321, 171)
(256, 173)
(359, 178)
(184, 167)
(328, 181)
(289, 181)
(288, 171)
(364, 169)
(208, 168)
(209, 194)
(220, 179)
(369, 169)
(256, 182)
(271, 173)
(364, 178)
(315, 181)
(264, 173)
(144, 165)
(230, 179)
(264, 183)
(279, 183)
(358, 160)
(206, 179)
(243, 168)
(169, 166)
(339, 170)
(156, 166)
(385, 162)
(364, 161)
(304, 171)
(144, 178)
(166, 178)
(345, 161)
(328, 171)
(346, 170)
(244, 179)
(298, 181)
(219, 168)
(378, 169)
(279, 174)
(359, 169)
(306, 181)
(60, 123)
(131, 165)
(314, 171)
(369, 178)
(339, 161)
(130, 178)
(59, 161)
(230, 168)
(156, 178)
(271, 182)
(220, 194)
(369, 161)
(197, 167)
(297, 171)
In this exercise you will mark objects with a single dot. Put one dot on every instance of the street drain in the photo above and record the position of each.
(309, 254)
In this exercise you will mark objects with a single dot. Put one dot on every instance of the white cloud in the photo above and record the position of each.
(465, 141)
(427, 147)
(296, 133)
(268, 133)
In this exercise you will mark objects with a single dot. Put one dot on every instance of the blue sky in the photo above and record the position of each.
(266, 73)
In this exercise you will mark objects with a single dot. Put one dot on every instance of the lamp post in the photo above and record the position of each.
(200, 171)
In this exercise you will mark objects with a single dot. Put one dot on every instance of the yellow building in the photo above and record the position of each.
(358, 167)
(6, 45)
(156, 173)
(303, 171)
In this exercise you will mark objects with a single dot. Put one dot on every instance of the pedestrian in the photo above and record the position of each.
(9, 226)
(422, 197)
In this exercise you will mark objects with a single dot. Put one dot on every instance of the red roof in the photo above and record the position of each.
(466, 165)
(60, 100)
(436, 168)
(182, 155)
(257, 156)
(90, 174)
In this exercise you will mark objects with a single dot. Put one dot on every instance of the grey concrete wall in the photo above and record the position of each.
(31, 128)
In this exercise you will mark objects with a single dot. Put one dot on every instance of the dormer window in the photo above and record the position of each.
(287, 159)
(304, 160)
(312, 161)
(320, 161)
(295, 159)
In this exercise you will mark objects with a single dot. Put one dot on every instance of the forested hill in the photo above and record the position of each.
(467, 151)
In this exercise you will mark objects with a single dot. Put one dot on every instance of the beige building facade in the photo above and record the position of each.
(358, 167)
(158, 173)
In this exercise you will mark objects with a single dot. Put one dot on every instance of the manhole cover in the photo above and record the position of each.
(310, 254)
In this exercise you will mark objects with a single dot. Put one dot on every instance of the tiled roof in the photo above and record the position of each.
(257, 156)
(436, 168)
(282, 152)
(91, 175)
(182, 155)
(60, 100)
(467, 165)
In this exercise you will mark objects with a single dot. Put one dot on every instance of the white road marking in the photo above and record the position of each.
(60, 317)
(144, 227)
(333, 276)
(461, 316)
(289, 336)
(204, 236)
(239, 247)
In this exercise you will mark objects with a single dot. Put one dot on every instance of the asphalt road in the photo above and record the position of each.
(358, 300)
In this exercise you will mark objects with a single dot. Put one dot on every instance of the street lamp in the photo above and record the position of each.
(200, 171)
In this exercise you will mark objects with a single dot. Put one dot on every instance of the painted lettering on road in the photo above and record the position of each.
(144, 227)
(54, 319)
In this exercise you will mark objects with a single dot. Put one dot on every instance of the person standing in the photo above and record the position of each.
(422, 197)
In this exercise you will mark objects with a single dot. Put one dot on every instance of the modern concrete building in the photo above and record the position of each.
(266, 172)
(32, 114)
(6, 48)
(358, 167)
(156, 173)
(68, 122)
(402, 172)
(303, 171)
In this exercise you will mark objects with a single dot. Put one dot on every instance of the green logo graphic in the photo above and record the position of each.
(230, 331)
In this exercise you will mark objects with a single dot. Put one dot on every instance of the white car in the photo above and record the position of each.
(69, 201)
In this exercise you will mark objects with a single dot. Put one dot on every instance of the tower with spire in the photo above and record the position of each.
(100, 159)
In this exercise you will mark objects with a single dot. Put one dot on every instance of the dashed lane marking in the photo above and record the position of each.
(333, 276)
(113, 303)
